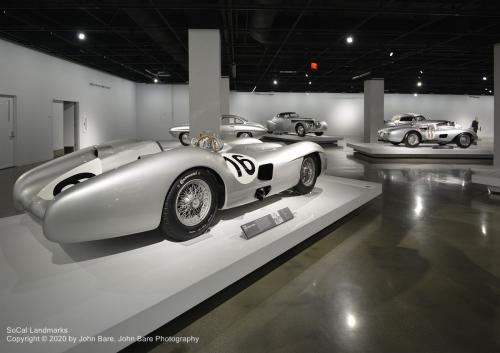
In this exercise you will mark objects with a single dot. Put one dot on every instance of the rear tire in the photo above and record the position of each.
(319, 133)
(244, 134)
(412, 139)
(190, 205)
(464, 140)
(308, 175)
(300, 130)
(184, 138)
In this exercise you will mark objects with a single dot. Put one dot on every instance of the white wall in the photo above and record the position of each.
(57, 120)
(160, 107)
(36, 79)
(342, 111)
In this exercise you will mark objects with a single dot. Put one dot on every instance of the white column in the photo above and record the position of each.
(496, 106)
(224, 95)
(204, 81)
(374, 108)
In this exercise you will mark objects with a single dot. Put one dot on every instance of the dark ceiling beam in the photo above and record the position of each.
(284, 41)
(144, 17)
(171, 30)
(46, 49)
(87, 48)
(485, 11)
(124, 38)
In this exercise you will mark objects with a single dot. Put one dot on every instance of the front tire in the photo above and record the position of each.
(308, 175)
(190, 205)
(184, 138)
(319, 133)
(464, 140)
(244, 134)
(412, 139)
(300, 130)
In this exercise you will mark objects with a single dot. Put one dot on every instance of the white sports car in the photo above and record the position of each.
(127, 187)
(293, 122)
(232, 126)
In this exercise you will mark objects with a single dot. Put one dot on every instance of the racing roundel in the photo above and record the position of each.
(244, 168)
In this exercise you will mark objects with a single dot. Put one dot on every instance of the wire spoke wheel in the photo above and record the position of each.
(308, 171)
(193, 202)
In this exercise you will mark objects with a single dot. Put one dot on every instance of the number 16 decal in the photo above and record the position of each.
(242, 167)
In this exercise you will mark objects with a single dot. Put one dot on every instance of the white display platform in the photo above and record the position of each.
(488, 178)
(322, 140)
(132, 285)
(387, 150)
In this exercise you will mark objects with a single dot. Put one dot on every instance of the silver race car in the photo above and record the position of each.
(128, 187)
(441, 132)
(293, 122)
(232, 126)
(404, 119)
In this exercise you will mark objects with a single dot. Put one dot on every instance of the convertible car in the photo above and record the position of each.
(293, 122)
(404, 119)
(232, 126)
(441, 132)
(127, 187)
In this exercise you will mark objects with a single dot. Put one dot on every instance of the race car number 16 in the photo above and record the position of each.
(242, 167)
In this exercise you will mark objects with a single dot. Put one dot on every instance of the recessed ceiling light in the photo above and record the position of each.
(81, 35)
(491, 91)
(307, 75)
(310, 82)
(391, 53)
(275, 82)
(155, 80)
(421, 71)
(349, 40)
(419, 84)
(485, 78)
(415, 94)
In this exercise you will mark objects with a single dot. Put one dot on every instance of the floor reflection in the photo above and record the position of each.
(416, 270)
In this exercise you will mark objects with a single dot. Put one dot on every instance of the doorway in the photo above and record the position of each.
(65, 136)
(7, 131)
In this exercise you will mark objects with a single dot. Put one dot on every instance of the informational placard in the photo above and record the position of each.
(262, 224)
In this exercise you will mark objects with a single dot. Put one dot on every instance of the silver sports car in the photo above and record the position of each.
(404, 119)
(429, 131)
(127, 187)
(232, 126)
(293, 122)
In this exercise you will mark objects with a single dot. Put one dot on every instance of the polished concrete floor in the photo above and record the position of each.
(416, 270)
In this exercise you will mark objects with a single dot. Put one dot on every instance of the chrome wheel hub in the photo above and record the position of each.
(185, 138)
(464, 140)
(413, 139)
(193, 202)
(300, 129)
(307, 171)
